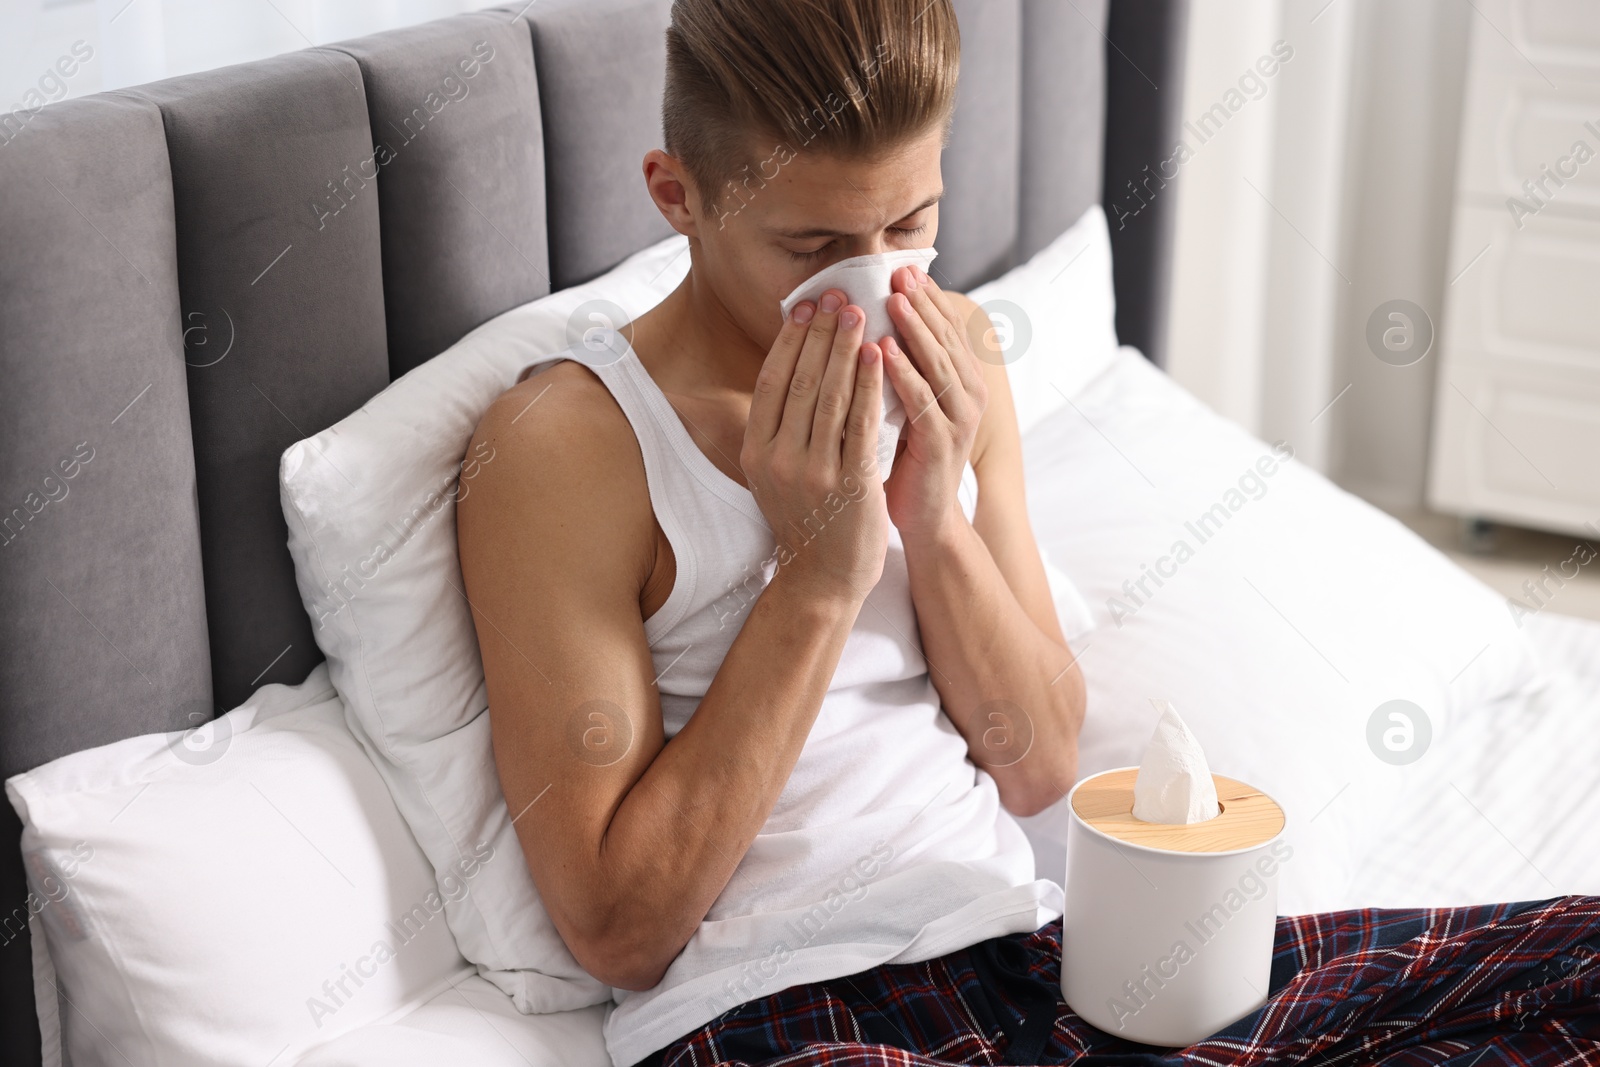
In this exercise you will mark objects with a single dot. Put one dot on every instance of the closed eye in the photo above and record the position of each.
(903, 231)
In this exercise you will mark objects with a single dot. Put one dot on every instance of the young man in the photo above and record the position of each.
(777, 713)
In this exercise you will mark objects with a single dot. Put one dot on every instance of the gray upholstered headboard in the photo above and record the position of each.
(198, 272)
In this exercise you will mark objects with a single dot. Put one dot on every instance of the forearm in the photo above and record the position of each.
(682, 829)
(1014, 692)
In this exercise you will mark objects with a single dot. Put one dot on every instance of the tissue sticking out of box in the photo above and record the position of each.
(1174, 782)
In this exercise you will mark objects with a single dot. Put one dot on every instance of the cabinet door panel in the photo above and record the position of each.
(1517, 408)
(1532, 108)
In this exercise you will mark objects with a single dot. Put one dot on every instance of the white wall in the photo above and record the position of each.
(136, 41)
(1312, 205)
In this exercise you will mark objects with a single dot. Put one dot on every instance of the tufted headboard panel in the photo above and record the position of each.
(198, 272)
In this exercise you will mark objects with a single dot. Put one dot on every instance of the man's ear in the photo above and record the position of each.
(674, 192)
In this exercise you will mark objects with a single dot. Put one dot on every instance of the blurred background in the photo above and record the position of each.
(1390, 256)
(1387, 243)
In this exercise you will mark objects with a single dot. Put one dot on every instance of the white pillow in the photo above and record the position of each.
(1301, 612)
(473, 1024)
(1055, 318)
(370, 505)
(198, 889)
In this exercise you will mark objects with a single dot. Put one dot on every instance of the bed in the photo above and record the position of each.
(231, 220)
(1469, 824)
(198, 272)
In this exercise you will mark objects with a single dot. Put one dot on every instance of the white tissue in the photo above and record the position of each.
(1174, 783)
(865, 280)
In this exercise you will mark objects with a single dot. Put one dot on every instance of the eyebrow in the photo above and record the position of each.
(822, 231)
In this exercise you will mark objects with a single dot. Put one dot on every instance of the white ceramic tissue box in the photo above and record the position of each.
(1168, 931)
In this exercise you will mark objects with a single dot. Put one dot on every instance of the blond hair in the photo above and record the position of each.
(753, 83)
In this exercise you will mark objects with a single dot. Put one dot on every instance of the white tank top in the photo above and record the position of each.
(887, 844)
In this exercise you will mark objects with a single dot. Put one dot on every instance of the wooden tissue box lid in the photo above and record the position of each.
(1249, 817)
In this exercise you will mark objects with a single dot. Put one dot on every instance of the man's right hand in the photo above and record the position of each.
(810, 449)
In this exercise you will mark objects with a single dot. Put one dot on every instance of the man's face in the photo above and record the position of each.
(813, 210)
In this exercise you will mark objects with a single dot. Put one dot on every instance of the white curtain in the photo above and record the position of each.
(1321, 191)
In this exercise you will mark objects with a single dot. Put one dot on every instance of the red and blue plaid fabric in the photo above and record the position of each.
(1480, 986)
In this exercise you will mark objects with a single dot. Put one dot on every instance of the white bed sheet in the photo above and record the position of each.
(1506, 807)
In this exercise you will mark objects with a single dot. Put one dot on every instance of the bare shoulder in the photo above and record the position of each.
(555, 459)
(998, 439)
(539, 409)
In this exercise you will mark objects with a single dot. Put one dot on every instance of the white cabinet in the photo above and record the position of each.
(1516, 433)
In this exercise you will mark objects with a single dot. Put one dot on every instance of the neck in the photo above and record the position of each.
(692, 345)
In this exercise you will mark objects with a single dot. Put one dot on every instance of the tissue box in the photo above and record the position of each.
(1168, 931)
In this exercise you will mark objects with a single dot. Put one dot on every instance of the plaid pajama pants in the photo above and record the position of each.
(1479, 986)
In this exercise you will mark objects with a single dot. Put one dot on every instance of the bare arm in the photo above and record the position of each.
(995, 650)
(630, 838)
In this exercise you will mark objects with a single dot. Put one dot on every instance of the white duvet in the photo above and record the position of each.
(1509, 810)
